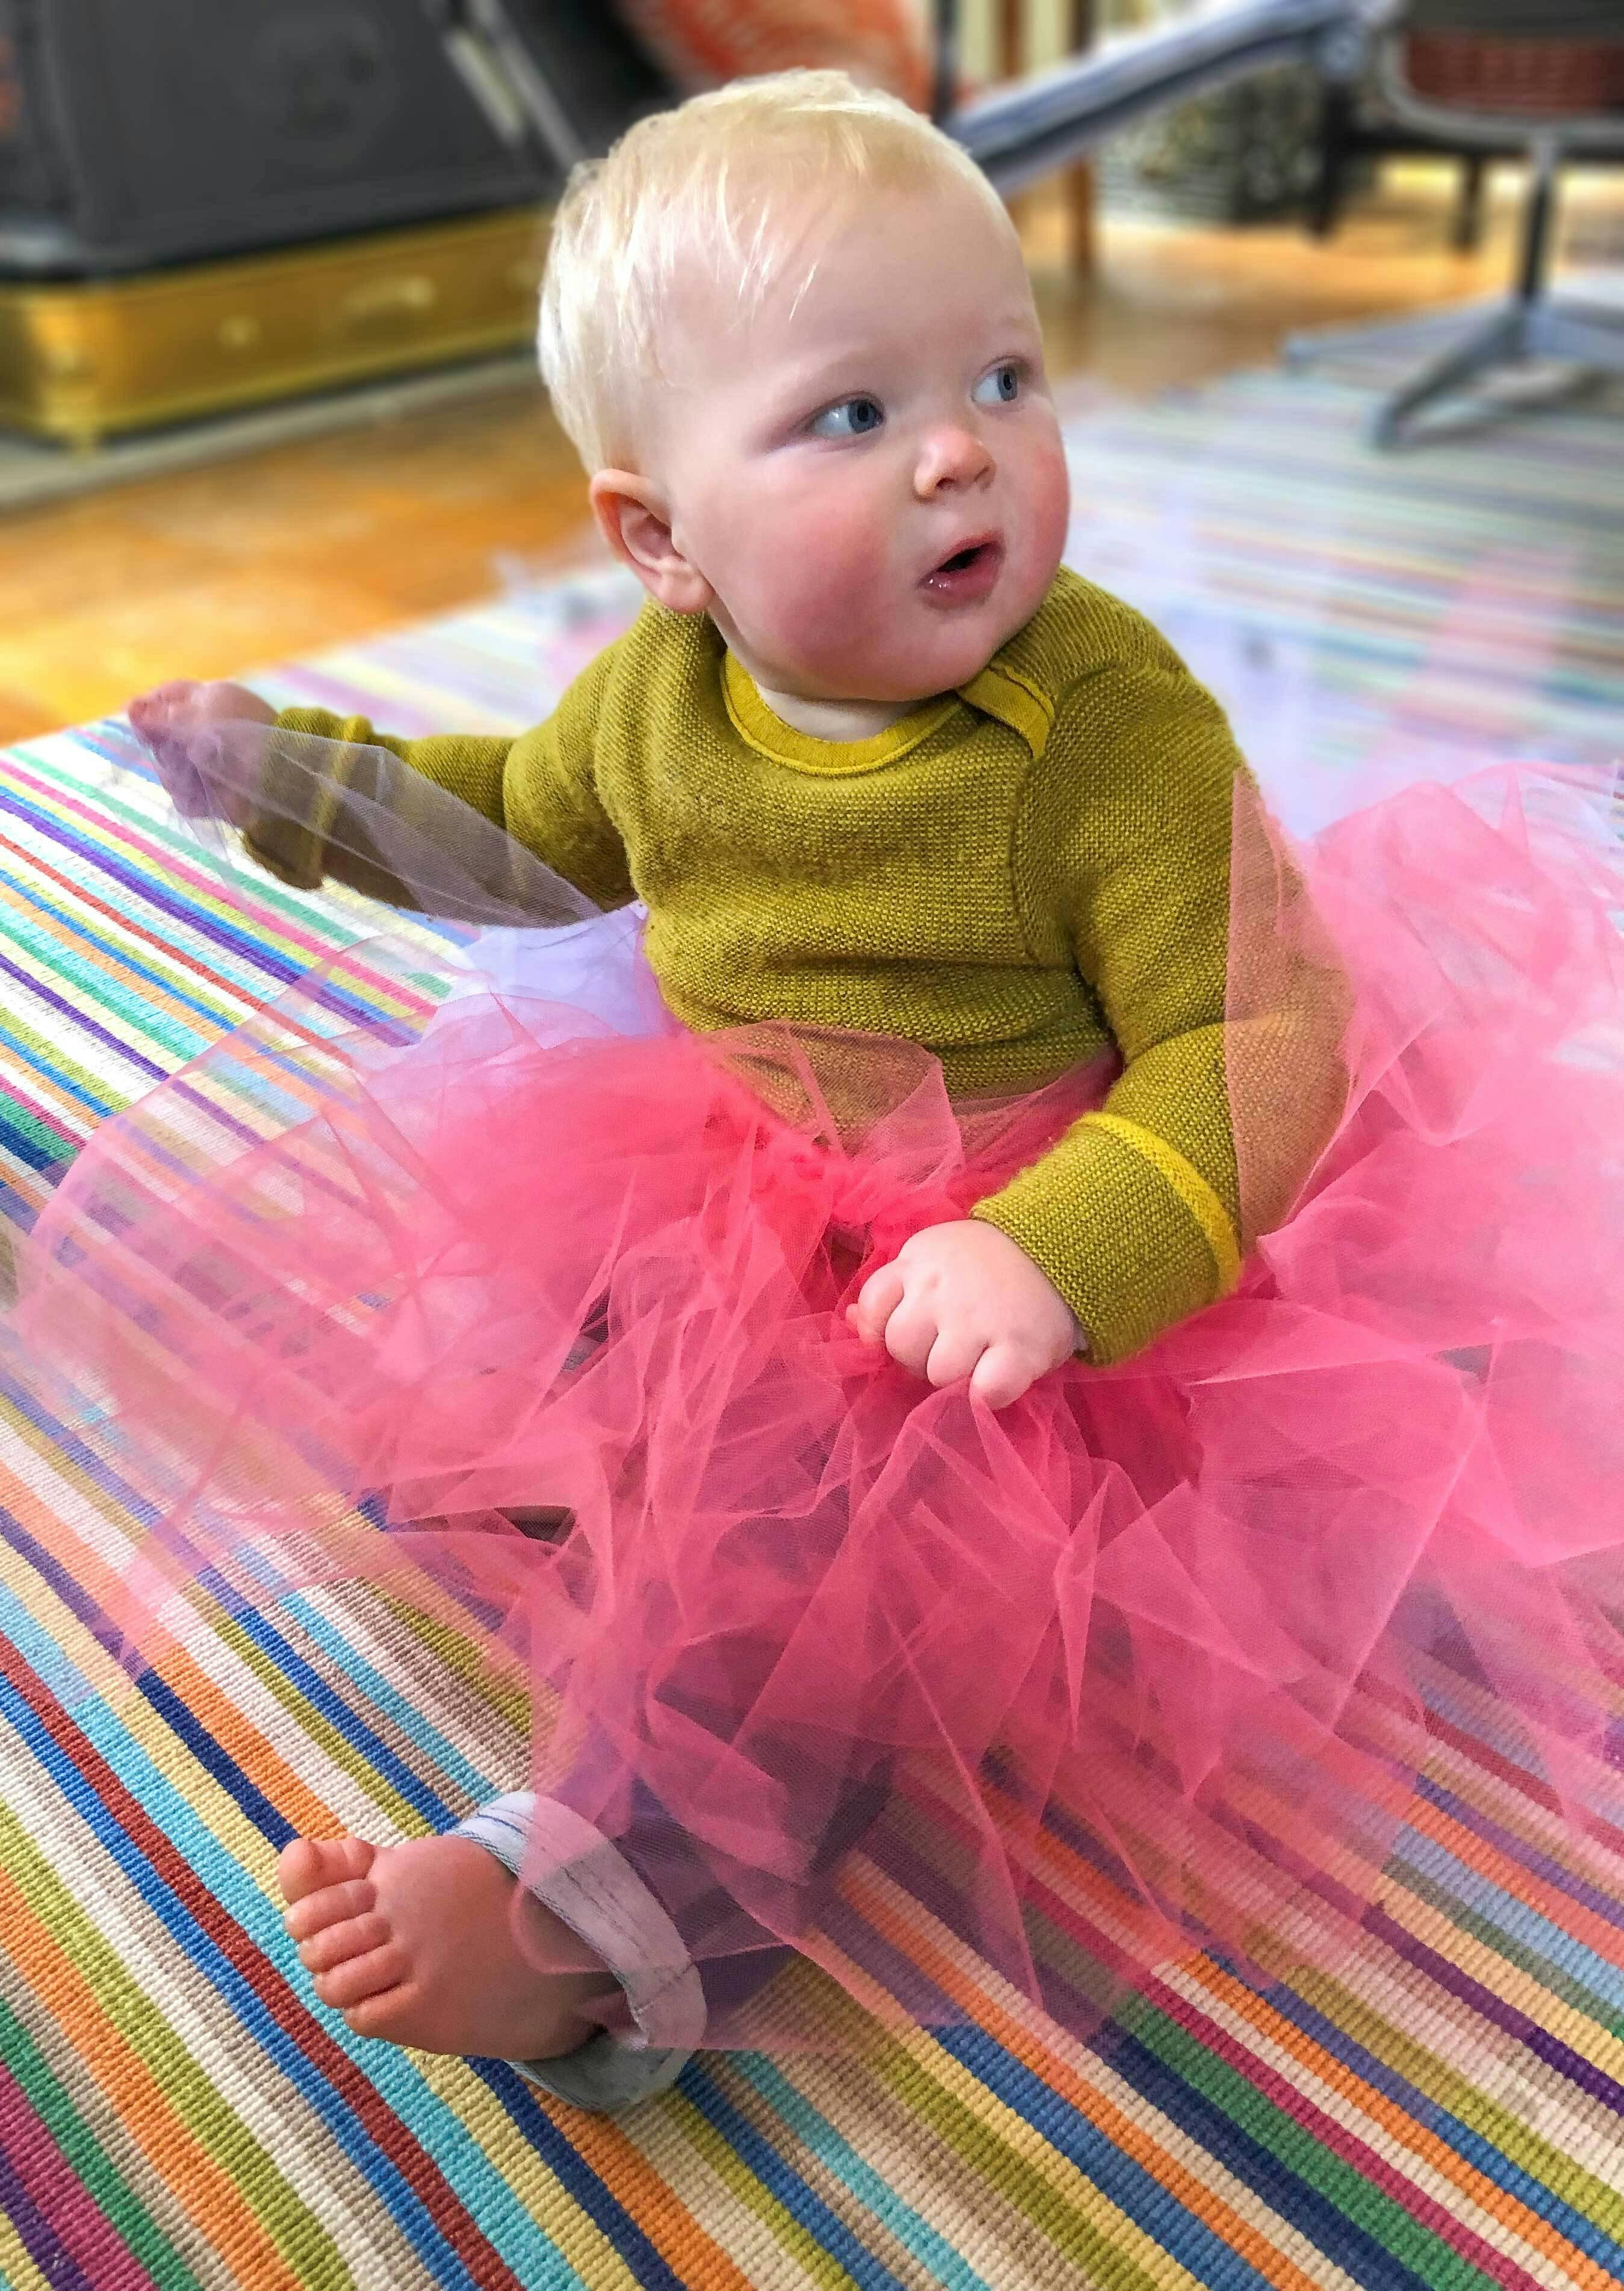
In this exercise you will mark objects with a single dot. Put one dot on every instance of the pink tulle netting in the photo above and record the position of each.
(538, 1318)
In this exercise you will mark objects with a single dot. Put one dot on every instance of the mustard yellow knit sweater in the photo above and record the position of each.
(1019, 876)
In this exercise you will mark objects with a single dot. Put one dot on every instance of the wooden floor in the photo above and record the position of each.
(309, 544)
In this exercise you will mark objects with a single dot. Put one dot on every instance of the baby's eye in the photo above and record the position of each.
(853, 417)
(1002, 387)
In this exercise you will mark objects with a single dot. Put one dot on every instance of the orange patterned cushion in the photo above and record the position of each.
(702, 42)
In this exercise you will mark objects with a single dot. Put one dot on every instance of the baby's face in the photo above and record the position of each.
(870, 480)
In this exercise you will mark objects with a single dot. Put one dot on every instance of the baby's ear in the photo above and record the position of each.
(634, 519)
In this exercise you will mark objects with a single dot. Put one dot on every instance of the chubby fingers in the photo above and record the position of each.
(956, 1351)
(890, 1311)
(1004, 1372)
(961, 1302)
(151, 711)
(162, 720)
(878, 1298)
(916, 1333)
(176, 693)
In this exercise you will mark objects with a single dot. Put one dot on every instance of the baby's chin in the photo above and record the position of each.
(943, 650)
(909, 652)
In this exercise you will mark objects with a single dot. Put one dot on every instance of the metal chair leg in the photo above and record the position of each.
(1578, 337)
(1467, 234)
(1501, 342)
(1427, 330)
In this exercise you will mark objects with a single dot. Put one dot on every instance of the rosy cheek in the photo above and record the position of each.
(819, 558)
(1046, 489)
(1047, 480)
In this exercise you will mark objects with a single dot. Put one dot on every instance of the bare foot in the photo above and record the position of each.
(415, 1943)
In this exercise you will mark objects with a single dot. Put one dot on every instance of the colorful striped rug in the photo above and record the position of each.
(1447, 2110)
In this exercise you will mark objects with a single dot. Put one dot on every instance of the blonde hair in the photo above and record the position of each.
(712, 184)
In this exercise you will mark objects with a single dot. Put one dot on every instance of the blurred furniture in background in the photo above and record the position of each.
(149, 155)
(1358, 125)
(396, 154)
(83, 359)
(1036, 125)
(1357, 128)
(1013, 46)
(1545, 77)
(164, 133)
(1248, 153)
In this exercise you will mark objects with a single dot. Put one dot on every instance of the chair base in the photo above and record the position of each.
(1470, 344)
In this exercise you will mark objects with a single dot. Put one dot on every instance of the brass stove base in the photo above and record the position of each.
(81, 360)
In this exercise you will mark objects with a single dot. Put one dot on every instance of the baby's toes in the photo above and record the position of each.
(335, 1905)
(357, 1978)
(351, 1937)
(313, 1865)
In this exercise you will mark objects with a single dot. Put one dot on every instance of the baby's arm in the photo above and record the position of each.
(1135, 1218)
(283, 779)
(1144, 1211)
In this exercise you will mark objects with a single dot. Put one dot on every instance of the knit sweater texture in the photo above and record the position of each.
(1023, 876)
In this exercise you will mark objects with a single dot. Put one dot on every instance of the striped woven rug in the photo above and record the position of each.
(1446, 2110)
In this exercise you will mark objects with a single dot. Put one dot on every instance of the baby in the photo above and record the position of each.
(873, 761)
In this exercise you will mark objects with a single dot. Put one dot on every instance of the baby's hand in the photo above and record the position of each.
(180, 724)
(963, 1300)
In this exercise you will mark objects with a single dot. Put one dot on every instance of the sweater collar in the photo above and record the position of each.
(756, 724)
(1001, 690)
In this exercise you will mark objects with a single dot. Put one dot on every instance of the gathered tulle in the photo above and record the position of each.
(535, 1307)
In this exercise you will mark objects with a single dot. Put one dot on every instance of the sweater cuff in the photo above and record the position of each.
(287, 833)
(1129, 1232)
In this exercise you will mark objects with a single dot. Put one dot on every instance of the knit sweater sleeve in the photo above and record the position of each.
(540, 787)
(1123, 855)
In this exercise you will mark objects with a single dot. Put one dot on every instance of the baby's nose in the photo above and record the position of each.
(950, 457)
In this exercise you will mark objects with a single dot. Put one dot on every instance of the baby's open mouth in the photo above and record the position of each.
(969, 574)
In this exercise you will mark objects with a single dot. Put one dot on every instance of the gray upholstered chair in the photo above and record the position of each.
(1547, 72)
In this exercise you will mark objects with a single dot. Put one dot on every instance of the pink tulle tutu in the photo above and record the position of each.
(1146, 1662)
